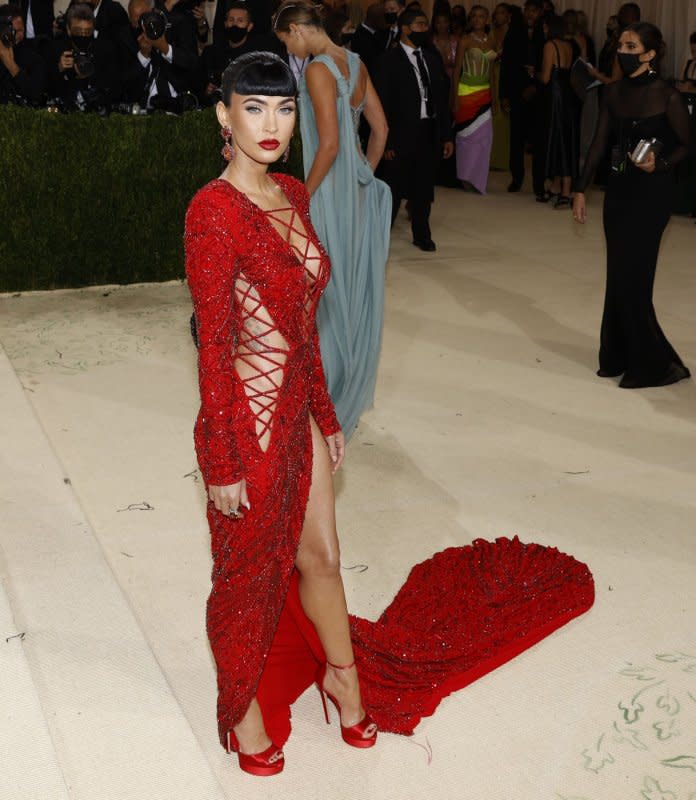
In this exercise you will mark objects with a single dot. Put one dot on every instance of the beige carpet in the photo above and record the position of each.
(488, 421)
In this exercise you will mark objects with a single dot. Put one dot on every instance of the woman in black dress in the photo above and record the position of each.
(562, 112)
(637, 207)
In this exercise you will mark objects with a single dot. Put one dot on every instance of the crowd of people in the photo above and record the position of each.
(510, 77)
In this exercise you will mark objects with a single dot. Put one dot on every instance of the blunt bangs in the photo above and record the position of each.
(260, 73)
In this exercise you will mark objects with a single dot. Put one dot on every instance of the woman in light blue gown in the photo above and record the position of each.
(350, 208)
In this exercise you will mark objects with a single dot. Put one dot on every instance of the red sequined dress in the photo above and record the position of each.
(255, 279)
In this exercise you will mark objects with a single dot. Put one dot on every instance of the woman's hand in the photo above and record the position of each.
(337, 449)
(227, 499)
(579, 211)
(647, 164)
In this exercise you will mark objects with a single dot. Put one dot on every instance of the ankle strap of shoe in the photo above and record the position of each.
(340, 666)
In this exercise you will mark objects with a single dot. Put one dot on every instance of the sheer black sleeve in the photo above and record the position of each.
(678, 117)
(598, 146)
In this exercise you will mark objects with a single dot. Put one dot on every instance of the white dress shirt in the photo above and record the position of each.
(29, 33)
(96, 11)
(147, 62)
(411, 53)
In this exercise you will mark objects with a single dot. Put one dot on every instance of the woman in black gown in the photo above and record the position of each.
(637, 208)
(562, 112)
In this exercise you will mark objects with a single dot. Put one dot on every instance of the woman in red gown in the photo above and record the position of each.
(268, 441)
(267, 437)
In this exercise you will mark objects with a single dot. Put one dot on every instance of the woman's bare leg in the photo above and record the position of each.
(323, 600)
(250, 732)
(321, 587)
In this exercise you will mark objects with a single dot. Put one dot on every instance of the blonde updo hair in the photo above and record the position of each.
(300, 12)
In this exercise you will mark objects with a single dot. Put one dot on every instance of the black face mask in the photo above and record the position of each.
(390, 17)
(419, 38)
(82, 43)
(235, 34)
(629, 62)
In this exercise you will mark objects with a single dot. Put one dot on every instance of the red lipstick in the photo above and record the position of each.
(270, 144)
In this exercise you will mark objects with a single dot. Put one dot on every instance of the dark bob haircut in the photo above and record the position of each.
(261, 73)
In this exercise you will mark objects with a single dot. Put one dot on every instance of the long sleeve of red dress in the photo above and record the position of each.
(320, 404)
(211, 264)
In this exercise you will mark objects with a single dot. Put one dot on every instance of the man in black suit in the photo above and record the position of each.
(412, 85)
(369, 38)
(22, 74)
(260, 11)
(157, 71)
(83, 73)
(520, 93)
(240, 39)
(393, 9)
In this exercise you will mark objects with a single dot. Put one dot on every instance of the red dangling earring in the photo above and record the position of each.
(286, 155)
(228, 148)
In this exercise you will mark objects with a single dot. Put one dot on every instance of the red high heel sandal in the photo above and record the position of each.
(363, 733)
(270, 762)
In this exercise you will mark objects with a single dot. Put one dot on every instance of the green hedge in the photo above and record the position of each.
(92, 200)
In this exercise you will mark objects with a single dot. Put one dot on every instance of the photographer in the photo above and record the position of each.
(84, 75)
(239, 40)
(22, 74)
(158, 55)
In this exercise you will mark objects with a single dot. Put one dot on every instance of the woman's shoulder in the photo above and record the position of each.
(215, 203)
(322, 60)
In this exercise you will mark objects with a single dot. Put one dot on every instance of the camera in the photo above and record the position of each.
(7, 31)
(84, 62)
(153, 24)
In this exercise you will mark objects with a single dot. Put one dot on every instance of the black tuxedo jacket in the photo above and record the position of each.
(41, 15)
(181, 73)
(397, 85)
(111, 16)
(369, 46)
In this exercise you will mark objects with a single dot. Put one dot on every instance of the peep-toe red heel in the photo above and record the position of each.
(363, 733)
(270, 762)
